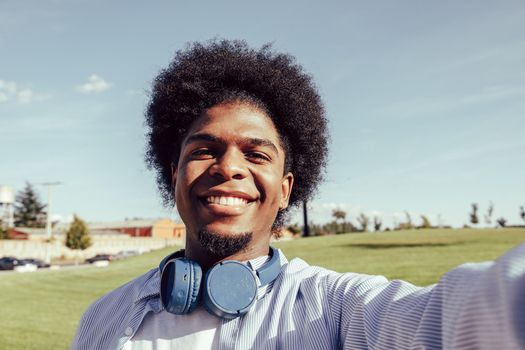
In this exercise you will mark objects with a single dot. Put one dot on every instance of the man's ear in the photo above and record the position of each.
(173, 178)
(286, 190)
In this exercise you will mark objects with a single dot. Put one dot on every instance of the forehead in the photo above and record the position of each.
(235, 120)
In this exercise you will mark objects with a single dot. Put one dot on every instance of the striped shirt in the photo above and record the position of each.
(474, 306)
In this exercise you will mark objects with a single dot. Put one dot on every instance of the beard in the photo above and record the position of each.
(222, 246)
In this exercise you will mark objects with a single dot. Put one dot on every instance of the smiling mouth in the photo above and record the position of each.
(228, 201)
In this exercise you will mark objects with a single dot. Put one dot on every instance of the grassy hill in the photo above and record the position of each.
(41, 310)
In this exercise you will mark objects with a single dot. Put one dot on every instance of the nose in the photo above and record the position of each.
(230, 165)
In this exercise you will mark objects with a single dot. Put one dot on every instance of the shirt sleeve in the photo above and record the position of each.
(474, 306)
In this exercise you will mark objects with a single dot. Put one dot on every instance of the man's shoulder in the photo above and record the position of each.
(300, 272)
(298, 266)
(128, 293)
(114, 310)
(301, 267)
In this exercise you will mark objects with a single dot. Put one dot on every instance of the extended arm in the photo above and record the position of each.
(474, 306)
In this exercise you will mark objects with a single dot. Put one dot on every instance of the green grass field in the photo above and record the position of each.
(41, 310)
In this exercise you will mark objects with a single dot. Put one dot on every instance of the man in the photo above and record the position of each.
(237, 136)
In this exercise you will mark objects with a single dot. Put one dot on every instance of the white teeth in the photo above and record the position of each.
(228, 201)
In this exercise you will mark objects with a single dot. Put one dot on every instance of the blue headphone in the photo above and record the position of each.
(229, 288)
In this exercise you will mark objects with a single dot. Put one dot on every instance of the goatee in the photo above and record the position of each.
(222, 246)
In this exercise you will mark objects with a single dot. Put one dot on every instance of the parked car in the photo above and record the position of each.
(12, 263)
(39, 263)
(100, 257)
(126, 253)
(7, 263)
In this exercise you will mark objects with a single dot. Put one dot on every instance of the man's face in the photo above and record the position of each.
(229, 178)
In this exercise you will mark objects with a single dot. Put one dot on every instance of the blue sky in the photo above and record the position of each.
(426, 100)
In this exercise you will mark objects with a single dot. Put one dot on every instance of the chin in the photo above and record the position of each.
(221, 244)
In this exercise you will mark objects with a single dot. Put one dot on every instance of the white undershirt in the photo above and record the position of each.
(164, 331)
(197, 330)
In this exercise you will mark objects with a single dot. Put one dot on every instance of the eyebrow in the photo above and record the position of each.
(253, 141)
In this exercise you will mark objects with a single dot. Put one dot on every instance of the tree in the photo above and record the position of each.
(332, 227)
(3, 233)
(474, 214)
(347, 226)
(488, 216)
(425, 222)
(294, 228)
(407, 225)
(377, 224)
(316, 230)
(522, 213)
(363, 221)
(29, 211)
(502, 221)
(339, 224)
(339, 214)
(77, 236)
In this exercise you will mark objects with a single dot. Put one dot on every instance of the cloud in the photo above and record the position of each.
(10, 90)
(373, 213)
(3, 97)
(7, 90)
(8, 86)
(321, 213)
(25, 96)
(95, 84)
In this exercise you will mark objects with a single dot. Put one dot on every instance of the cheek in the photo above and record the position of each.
(189, 176)
(270, 185)
(185, 179)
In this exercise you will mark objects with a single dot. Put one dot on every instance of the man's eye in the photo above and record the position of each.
(202, 154)
(258, 156)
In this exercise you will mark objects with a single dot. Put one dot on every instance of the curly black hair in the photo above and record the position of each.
(220, 71)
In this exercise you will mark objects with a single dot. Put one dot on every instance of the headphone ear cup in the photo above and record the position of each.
(180, 285)
(229, 289)
(195, 285)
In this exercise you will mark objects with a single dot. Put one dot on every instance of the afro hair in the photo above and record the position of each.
(220, 71)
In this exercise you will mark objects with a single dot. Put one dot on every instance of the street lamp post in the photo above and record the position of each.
(49, 233)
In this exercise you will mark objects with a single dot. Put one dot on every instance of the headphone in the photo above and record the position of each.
(229, 288)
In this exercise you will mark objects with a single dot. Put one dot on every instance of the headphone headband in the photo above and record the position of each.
(271, 269)
(175, 255)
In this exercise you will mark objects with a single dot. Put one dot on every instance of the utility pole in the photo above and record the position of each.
(49, 233)
(306, 231)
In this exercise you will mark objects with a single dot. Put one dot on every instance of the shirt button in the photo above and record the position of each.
(128, 331)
